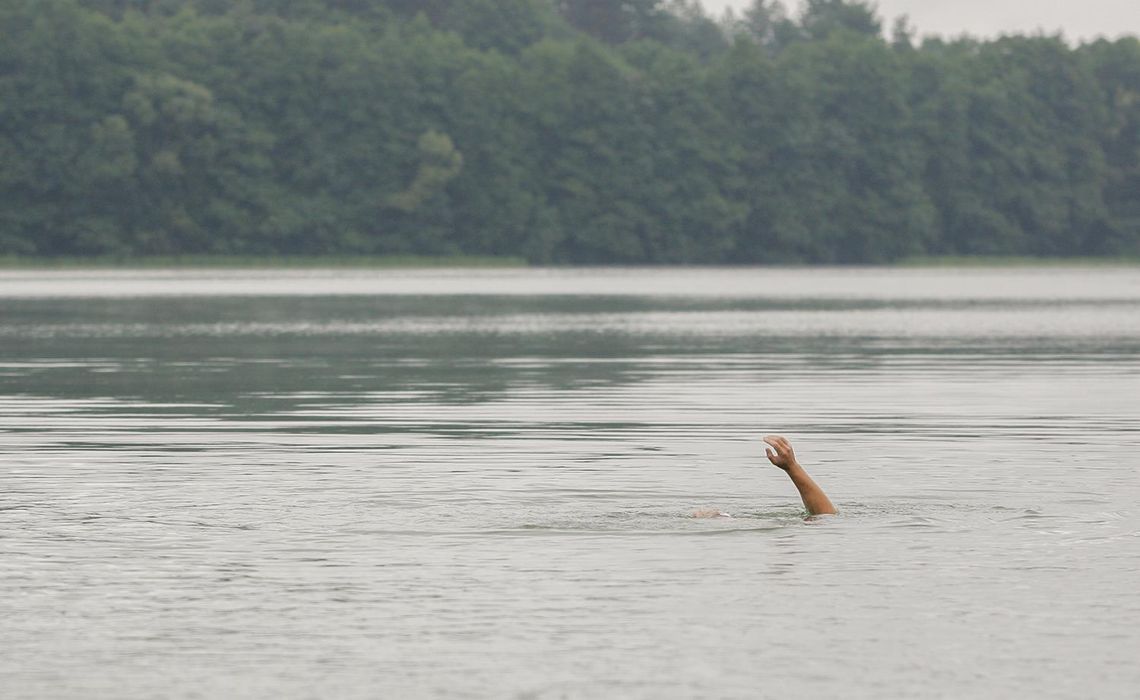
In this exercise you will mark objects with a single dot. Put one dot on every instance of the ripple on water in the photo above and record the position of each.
(438, 484)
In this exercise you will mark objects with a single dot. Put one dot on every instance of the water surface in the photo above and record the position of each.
(360, 484)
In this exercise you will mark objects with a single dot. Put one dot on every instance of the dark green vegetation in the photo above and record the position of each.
(262, 261)
(565, 131)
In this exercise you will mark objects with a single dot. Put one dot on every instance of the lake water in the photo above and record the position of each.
(420, 484)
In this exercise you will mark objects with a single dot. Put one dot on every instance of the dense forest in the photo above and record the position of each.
(562, 131)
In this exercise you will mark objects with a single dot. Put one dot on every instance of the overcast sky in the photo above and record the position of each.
(1078, 19)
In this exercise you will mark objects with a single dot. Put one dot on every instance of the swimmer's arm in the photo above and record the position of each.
(781, 454)
(815, 500)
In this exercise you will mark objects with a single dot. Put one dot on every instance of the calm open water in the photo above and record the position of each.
(419, 484)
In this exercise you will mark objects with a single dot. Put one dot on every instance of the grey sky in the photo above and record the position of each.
(1078, 19)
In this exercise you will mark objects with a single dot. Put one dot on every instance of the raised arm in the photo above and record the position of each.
(781, 454)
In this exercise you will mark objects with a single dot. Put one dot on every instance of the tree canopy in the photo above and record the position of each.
(564, 131)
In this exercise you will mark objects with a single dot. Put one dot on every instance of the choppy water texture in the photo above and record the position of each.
(477, 484)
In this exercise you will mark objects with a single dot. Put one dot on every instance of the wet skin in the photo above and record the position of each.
(781, 454)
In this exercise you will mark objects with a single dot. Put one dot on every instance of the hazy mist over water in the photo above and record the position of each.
(448, 483)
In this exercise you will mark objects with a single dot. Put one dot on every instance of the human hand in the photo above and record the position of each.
(780, 452)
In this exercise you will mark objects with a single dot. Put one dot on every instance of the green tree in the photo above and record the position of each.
(767, 22)
(832, 166)
(572, 131)
(194, 187)
(594, 150)
(1116, 66)
(692, 190)
(822, 18)
(613, 21)
(1010, 137)
(62, 72)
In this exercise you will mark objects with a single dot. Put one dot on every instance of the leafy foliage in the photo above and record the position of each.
(565, 131)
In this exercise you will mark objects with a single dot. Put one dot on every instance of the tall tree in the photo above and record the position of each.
(448, 126)
(821, 18)
(1117, 68)
(613, 21)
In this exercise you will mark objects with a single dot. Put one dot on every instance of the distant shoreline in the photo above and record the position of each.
(1016, 261)
(259, 261)
(491, 262)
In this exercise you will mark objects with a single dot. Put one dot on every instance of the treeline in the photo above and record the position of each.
(565, 131)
